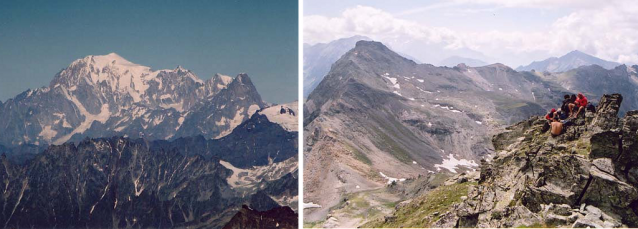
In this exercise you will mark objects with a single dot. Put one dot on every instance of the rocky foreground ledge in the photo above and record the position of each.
(585, 177)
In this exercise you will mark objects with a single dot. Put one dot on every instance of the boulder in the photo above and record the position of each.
(606, 117)
(605, 144)
(560, 209)
(604, 164)
(587, 223)
(556, 220)
(629, 156)
(447, 220)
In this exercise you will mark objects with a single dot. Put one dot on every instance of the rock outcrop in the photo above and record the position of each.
(585, 177)
(580, 178)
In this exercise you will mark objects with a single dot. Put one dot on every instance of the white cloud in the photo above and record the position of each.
(368, 21)
(608, 31)
(545, 4)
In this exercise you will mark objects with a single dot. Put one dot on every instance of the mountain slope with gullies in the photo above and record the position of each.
(120, 182)
(585, 177)
(378, 117)
(102, 96)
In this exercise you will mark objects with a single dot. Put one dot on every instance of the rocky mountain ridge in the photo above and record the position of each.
(585, 177)
(319, 57)
(120, 182)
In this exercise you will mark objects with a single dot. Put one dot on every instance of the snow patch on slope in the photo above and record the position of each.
(311, 205)
(391, 179)
(250, 178)
(452, 163)
(89, 118)
(394, 82)
(288, 121)
(47, 133)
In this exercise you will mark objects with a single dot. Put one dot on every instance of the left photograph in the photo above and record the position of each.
(149, 114)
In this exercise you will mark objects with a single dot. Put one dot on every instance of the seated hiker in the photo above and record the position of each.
(580, 104)
(282, 111)
(291, 112)
(562, 114)
(556, 127)
(571, 105)
(565, 105)
(551, 115)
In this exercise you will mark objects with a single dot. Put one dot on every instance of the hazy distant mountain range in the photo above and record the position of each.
(455, 60)
(569, 61)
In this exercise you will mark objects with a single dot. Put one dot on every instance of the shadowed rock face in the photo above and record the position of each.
(115, 183)
(583, 178)
(281, 217)
(119, 182)
(256, 142)
(378, 112)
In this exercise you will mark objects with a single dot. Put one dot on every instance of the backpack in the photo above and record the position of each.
(591, 108)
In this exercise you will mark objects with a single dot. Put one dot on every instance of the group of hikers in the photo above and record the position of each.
(572, 106)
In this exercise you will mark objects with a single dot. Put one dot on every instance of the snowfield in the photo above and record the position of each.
(288, 121)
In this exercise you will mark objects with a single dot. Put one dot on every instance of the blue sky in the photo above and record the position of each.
(513, 32)
(39, 38)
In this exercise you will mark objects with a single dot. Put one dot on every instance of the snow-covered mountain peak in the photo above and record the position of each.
(120, 75)
(111, 58)
(179, 68)
(181, 71)
(222, 78)
(111, 69)
(113, 62)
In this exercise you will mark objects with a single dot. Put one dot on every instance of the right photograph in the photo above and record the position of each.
(470, 114)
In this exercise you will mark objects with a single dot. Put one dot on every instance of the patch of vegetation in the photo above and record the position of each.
(360, 156)
(315, 224)
(514, 105)
(359, 205)
(390, 204)
(583, 148)
(439, 179)
(421, 211)
(535, 225)
(391, 146)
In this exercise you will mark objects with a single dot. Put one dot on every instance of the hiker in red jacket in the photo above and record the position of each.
(580, 104)
(551, 115)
